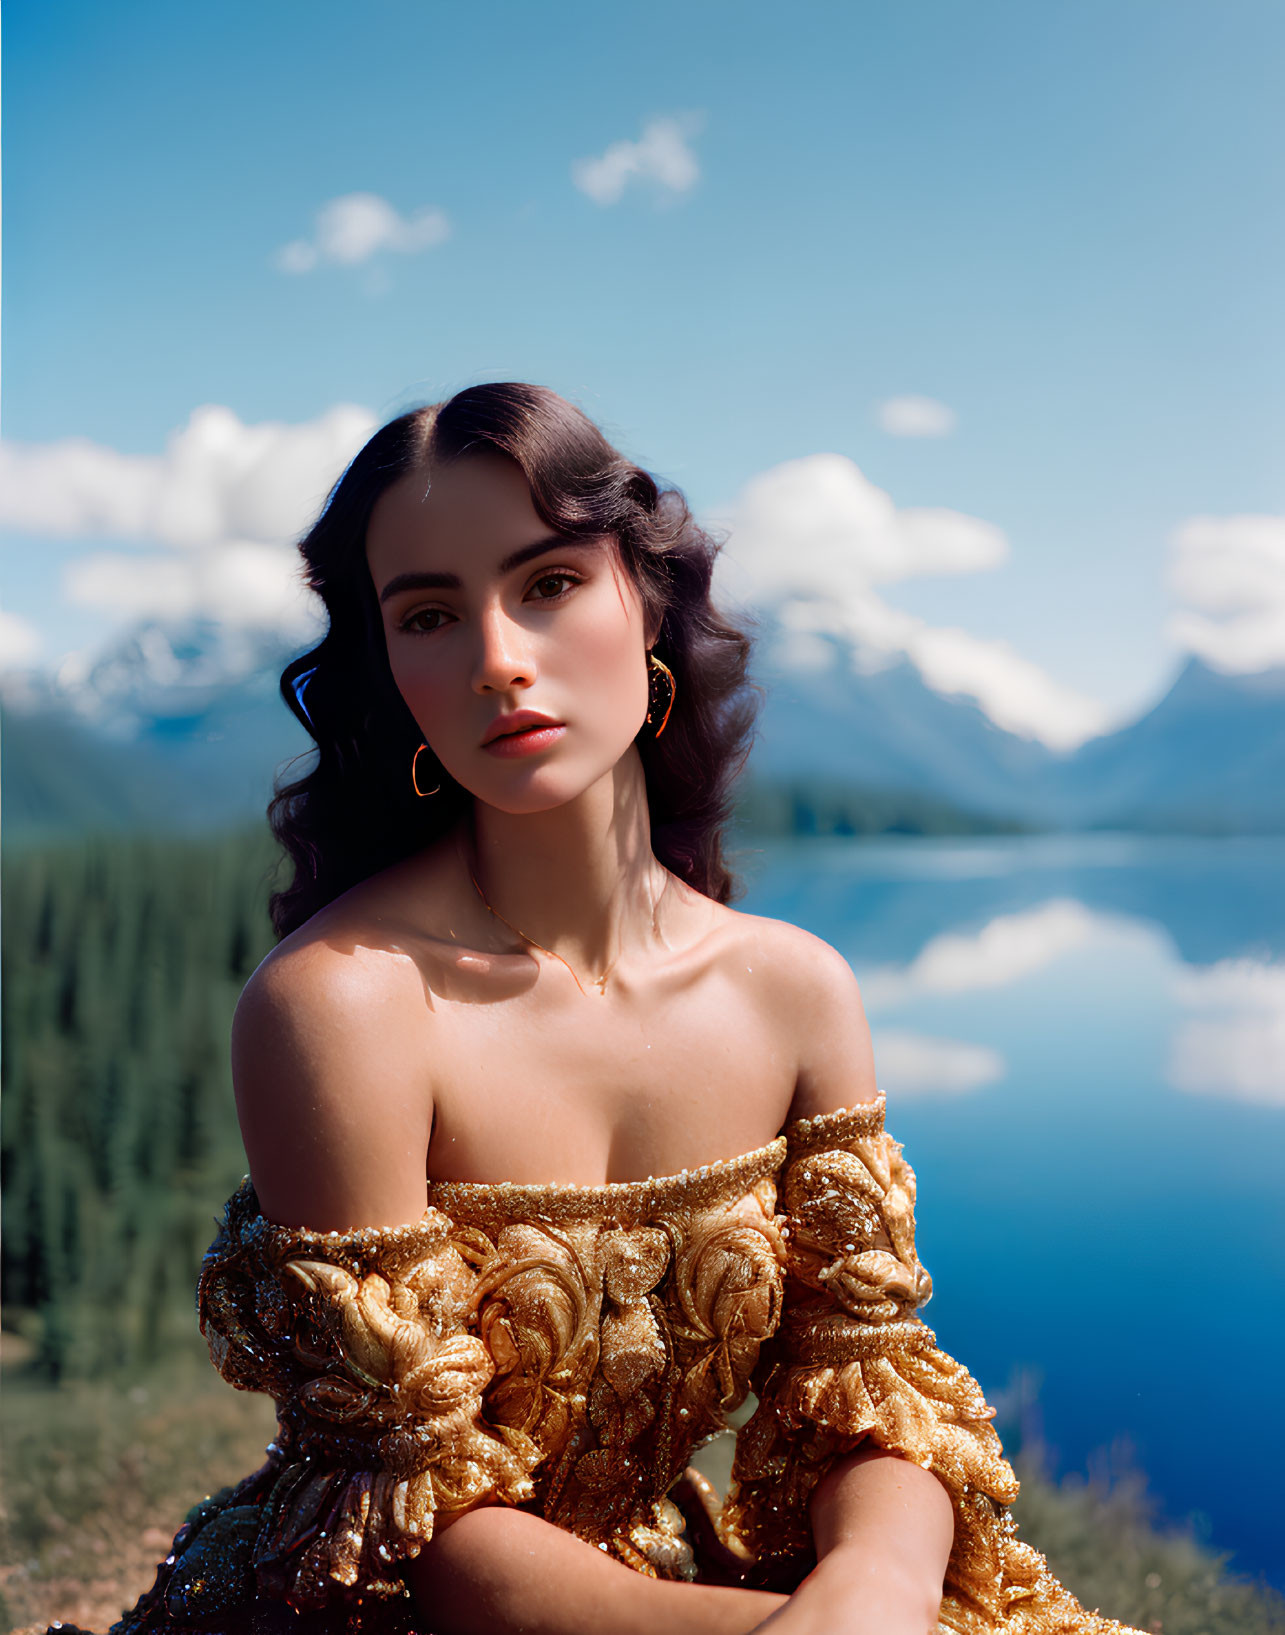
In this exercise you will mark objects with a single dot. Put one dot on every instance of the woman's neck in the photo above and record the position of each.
(579, 880)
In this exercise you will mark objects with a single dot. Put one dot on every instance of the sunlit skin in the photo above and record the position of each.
(404, 1031)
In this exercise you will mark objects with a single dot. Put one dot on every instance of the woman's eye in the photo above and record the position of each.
(557, 580)
(417, 621)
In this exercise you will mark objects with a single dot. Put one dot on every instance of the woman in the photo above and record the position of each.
(524, 1227)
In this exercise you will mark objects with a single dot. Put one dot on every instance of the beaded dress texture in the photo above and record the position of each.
(566, 1349)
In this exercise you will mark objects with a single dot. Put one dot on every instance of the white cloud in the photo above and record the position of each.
(812, 537)
(217, 480)
(660, 156)
(818, 526)
(1013, 691)
(1234, 1046)
(74, 487)
(19, 641)
(1229, 572)
(236, 582)
(1006, 949)
(226, 501)
(356, 226)
(916, 417)
(915, 1064)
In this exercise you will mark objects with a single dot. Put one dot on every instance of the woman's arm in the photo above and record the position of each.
(508, 1572)
(883, 1529)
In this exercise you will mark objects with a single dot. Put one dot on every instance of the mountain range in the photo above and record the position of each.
(181, 727)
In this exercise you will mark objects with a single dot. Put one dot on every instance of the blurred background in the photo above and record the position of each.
(963, 324)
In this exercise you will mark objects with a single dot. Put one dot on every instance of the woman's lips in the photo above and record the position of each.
(530, 741)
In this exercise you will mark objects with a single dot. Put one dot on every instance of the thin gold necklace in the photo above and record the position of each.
(600, 982)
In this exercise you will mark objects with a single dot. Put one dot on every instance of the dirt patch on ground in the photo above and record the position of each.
(97, 1480)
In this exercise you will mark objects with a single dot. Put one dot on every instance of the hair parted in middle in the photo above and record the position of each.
(354, 812)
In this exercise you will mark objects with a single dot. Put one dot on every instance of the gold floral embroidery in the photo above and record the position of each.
(624, 1321)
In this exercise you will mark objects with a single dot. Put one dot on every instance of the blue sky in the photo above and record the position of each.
(1061, 224)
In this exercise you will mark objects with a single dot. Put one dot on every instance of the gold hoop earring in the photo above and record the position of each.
(414, 780)
(660, 681)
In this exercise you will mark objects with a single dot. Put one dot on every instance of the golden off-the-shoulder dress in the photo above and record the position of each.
(566, 1349)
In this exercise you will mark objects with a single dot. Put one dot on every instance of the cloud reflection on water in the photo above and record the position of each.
(1234, 1044)
(1228, 1039)
(1008, 947)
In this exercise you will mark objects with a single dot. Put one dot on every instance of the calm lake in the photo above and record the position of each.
(1082, 1040)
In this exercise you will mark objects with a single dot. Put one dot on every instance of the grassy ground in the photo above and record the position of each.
(98, 1477)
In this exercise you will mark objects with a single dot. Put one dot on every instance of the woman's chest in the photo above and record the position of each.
(528, 1090)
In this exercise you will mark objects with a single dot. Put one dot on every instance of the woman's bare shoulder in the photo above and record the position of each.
(357, 955)
(814, 993)
(331, 1067)
(344, 964)
(803, 966)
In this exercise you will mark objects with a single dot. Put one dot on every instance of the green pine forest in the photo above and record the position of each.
(122, 962)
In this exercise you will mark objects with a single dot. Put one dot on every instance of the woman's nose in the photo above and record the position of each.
(504, 657)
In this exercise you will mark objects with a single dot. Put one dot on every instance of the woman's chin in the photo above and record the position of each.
(537, 795)
(541, 791)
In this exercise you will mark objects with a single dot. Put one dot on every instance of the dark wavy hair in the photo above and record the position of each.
(355, 812)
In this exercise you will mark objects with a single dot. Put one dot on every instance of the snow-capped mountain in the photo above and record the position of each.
(170, 672)
(176, 726)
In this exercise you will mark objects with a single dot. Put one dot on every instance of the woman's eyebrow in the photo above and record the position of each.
(452, 581)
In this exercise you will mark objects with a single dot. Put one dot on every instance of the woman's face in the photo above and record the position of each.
(487, 614)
